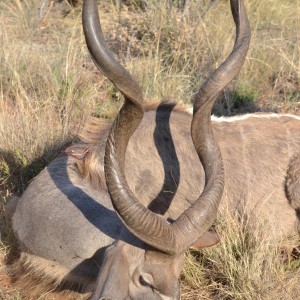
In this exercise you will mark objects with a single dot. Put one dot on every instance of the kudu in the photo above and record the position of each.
(115, 214)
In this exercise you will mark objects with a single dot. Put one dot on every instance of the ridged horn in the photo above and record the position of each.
(197, 219)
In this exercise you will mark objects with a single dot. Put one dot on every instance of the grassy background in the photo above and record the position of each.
(49, 86)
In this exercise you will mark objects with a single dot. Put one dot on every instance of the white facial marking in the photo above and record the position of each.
(190, 110)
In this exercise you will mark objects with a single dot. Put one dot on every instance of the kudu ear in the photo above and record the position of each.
(78, 151)
(208, 239)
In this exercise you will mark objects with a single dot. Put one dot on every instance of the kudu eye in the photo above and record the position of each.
(144, 282)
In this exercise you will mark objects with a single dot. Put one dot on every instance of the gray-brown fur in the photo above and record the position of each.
(256, 185)
(260, 156)
(123, 235)
(293, 183)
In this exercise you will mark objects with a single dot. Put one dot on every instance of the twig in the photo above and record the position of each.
(41, 23)
(210, 5)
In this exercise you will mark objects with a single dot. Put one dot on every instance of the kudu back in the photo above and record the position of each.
(115, 214)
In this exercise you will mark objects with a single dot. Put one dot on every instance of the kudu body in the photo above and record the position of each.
(80, 219)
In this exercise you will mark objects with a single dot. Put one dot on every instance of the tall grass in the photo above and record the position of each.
(247, 264)
(48, 86)
(181, 47)
(47, 77)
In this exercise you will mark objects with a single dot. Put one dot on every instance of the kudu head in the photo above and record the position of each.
(148, 267)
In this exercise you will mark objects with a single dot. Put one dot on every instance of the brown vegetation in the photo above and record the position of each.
(49, 86)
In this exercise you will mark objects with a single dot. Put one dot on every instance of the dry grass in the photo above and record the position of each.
(48, 86)
(246, 265)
